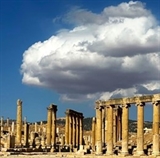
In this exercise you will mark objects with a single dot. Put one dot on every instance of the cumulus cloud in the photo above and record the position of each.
(109, 54)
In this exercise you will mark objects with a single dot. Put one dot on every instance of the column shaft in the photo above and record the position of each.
(49, 126)
(140, 130)
(54, 127)
(74, 131)
(67, 129)
(103, 127)
(99, 130)
(110, 130)
(19, 123)
(77, 131)
(93, 133)
(156, 122)
(106, 113)
(70, 130)
(26, 134)
(125, 118)
(81, 130)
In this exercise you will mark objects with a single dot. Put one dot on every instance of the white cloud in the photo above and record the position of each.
(111, 54)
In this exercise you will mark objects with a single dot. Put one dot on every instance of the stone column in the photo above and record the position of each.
(54, 127)
(26, 134)
(49, 126)
(114, 126)
(1, 120)
(12, 128)
(67, 129)
(19, 123)
(156, 123)
(140, 128)
(99, 130)
(70, 130)
(35, 127)
(103, 127)
(8, 122)
(110, 130)
(93, 133)
(0, 137)
(74, 131)
(125, 119)
(106, 125)
(81, 132)
(77, 131)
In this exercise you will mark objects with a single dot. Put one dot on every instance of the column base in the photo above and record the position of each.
(81, 147)
(99, 154)
(140, 153)
(155, 153)
(109, 153)
(124, 153)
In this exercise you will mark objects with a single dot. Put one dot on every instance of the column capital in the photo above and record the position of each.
(126, 105)
(19, 102)
(156, 102)
(140, 104)
(110, 106)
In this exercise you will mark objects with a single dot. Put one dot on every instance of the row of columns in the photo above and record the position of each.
(125, 129)
(51, 126)
(73, 128)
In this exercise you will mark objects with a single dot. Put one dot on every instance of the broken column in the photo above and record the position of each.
(156, 122)
(19, 123)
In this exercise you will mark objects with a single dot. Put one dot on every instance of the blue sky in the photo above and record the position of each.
(70, 23)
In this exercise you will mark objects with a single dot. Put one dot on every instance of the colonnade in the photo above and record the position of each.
(124, 104)
(51, 126)
(73, 129)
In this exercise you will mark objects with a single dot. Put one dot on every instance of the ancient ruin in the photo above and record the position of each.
(109, 135)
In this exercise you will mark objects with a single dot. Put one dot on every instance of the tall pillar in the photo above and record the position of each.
(99, 130)
(67, 128)
(0, 137)
(106, 125)
(35, 127)
(140, 128)
(19, 123)
(114, 126)
(54, 110)
(7, 121)
(26, 134)
(49, 125)
(70, 130)
(125, 119)
(81, 132)
(74, 131)
(103, 127)
(1, 121)
(77, 131)
(110, 130)
(93, 133)
(156, 123)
